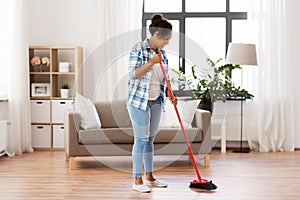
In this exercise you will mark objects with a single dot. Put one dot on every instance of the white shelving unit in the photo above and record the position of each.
(47, 106)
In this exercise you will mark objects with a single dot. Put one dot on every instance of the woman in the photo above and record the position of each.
(146, 94)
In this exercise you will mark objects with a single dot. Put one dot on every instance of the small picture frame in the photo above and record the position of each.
(63, 66)
(40, 89)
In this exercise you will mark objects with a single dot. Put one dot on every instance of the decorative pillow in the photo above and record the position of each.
(168, 118)
(88, 113)
(186, 110)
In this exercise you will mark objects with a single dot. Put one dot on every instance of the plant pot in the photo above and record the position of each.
(207, 106)
(64, 93)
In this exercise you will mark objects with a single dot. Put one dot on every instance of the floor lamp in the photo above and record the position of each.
(241, 54)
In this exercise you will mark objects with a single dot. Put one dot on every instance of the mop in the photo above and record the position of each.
(199, 183)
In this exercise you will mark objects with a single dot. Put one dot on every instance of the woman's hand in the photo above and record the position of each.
(156, 58)
(174, 101)
(172, 98)
(140, 71)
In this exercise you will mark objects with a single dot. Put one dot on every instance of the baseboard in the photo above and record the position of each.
(231, 144)
(48, 149)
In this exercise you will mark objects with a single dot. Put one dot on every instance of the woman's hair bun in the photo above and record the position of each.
(160, 24)
(155, 18)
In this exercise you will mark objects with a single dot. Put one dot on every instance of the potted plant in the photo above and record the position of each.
(215, 84)
(40, 64)
(209, 86)
(64, 91)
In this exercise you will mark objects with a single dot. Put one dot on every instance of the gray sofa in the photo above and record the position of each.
(115, 138)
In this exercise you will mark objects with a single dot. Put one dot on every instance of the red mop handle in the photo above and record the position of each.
(179, 119)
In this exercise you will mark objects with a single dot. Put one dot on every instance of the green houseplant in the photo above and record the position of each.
(215, 84)
(65, 86)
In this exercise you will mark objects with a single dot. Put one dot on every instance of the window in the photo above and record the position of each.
(211, 24)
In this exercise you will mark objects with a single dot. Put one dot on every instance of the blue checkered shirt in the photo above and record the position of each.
(138, 89)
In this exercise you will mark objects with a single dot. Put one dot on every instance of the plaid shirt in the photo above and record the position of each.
(138, 89)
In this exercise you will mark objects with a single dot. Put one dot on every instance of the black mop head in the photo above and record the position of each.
(203, 184)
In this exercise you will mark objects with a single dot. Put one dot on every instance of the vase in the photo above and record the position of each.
(207, 106)
(64, 93)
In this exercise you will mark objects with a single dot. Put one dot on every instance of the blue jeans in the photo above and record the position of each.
(145, 125)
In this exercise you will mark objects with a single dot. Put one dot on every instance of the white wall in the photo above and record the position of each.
(84, 23)
(63, 22)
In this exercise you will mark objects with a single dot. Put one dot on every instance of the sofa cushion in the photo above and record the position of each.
(113, 114)
(125, 136)
(106, 136)
(88, 113)
(186, 110)
(168, 117)
(174, 135)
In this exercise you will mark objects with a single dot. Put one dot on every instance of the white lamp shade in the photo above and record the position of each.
(241, 54)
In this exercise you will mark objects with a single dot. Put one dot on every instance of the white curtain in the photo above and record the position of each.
(115, 19)
(274, 106)
(293, 49)
(16, 60)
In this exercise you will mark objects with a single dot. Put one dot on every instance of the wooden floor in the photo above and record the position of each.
(253, 176)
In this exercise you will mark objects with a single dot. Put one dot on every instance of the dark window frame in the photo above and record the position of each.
(181, 16)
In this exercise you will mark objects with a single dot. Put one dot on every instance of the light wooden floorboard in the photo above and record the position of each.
(253, 176)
